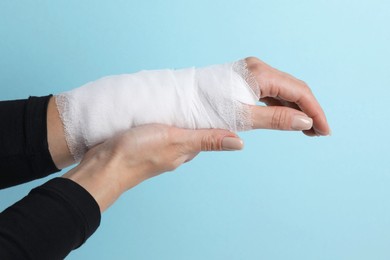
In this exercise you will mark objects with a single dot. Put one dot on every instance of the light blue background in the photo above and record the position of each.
(286, 196)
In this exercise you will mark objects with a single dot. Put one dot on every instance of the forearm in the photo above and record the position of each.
(60, 213)
(24, 153)
(33, 144)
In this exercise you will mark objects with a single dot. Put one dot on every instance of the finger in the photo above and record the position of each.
(309, 104)
(284, 86)
(277, 84)
(296, 91)
(280, 118)
(196, 141)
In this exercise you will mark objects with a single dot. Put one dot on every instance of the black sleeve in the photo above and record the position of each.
(52, 220)
(24, 152)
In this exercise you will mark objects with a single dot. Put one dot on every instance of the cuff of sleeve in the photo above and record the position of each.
(78, 200)
(36, 136)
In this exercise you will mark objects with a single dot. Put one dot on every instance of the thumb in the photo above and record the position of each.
(212, 140)
(280, 118)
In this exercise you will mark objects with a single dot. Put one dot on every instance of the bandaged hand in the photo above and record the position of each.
(220, 96)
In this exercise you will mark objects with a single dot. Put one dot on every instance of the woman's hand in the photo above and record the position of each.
(111, 168)
(290, 103)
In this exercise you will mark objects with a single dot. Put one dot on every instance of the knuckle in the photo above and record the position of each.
(279, 119)
(252, 59)
(270, 83)
(210, 143)
(254, 64)
(303, 83)
(255, 68)
(305, 87)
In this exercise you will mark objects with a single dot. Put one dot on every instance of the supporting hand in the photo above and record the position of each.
(120, 163)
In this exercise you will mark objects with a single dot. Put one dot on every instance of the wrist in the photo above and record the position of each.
(58, 148)
(100, 175)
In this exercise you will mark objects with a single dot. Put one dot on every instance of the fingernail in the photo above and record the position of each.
(232, 144)
(320, 133)
(301, 123)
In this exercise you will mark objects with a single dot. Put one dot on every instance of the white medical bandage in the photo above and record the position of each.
(212, 97)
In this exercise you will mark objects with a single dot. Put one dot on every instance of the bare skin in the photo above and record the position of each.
(285, 97)
(111, 168)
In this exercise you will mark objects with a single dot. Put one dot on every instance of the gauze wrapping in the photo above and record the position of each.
(212, 97)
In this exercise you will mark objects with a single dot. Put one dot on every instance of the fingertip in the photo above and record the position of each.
(315, 132)
(326, 132)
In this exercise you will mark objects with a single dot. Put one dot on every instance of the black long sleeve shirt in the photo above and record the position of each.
(54, 218)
